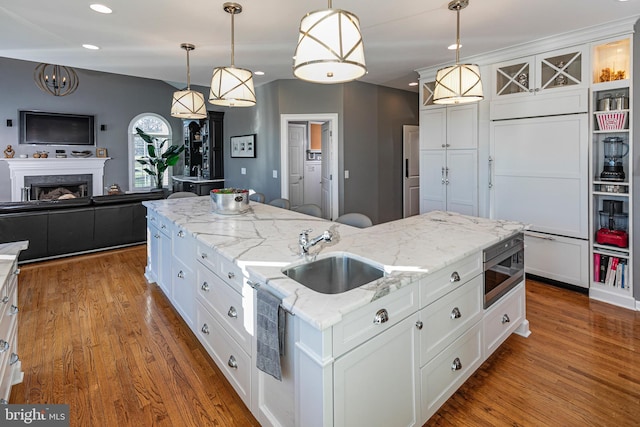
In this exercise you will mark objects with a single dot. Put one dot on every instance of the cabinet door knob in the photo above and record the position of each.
(232, 312)
(180, 233)
(232, 362)
(13, 359)
(205, 329)
(13, 309)
(4, 346)
(419, 325)
(205, 286)
(455, 277)
(505, 319)
(455, 313)
(157, 236)
(456, 365)
(382, 316)
(231, 275)
(5, 299)
(4, 402)
(203, 255)
(180, 274)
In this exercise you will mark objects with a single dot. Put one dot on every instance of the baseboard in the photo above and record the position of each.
(557, 283)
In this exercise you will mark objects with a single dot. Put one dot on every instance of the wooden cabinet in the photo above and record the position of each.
(449, 159)
(10, 365)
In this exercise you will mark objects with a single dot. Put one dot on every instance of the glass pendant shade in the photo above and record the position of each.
(188, 104)
(232, 87)
(330, 47)
(458, 84)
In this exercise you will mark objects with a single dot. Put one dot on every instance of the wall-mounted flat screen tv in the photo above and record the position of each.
(37, 127)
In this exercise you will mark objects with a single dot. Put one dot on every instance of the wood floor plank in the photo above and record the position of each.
(95, 335)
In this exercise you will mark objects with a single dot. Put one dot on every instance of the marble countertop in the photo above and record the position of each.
(8, 253)
(265, 239)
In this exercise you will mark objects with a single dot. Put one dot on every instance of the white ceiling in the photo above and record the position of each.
(142, 37)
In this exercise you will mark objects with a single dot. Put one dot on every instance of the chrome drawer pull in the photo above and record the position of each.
(180, 275)
(4, 346)
(4, 402)
(13, 359)
(505, 319)
(157, 236)
(456, 365)
(419, 325)
(232, 312)
(455, 277)
(232, 362)
(16, 271)
(455, 313)
(163, 226)
(180, 233)
(205, 286)
(5, 299)
(205, 329)
(381, 317)
(203, 255)
(231, 275)
(13, 309)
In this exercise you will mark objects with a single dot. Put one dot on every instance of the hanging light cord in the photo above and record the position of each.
(233, 48)
(458, 7)
(188, 71)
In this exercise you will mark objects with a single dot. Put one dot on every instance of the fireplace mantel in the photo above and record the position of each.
(19, 168)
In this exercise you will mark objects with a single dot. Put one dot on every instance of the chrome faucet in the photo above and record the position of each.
(305, 243)
(198, 170)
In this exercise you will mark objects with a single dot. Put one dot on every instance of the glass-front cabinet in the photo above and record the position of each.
(426, 93)
(555, 70)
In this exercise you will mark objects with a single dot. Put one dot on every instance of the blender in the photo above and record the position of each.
(614, 150)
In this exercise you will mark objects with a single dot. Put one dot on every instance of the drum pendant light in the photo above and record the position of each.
(231, 86)
(330, 47)
(459, 83)
(188, 104)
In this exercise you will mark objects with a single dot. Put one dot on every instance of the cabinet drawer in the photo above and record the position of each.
(230, 273)
(183, 290)
(183, 246)
(227, 305)
(7, 360)
(9, 296)
(158, 220)
(441, 377)
(559, 258)
(230, 358)
(360, 325)
(207, 256)
(449, 278)
(447, 318)
(503, 318)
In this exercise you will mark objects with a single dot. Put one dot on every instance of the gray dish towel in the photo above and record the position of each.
(269, 333)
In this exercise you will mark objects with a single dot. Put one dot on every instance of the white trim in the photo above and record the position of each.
(284, 153)
(131, 154)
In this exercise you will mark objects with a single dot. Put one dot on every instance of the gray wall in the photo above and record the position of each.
(370, 140)
(114, 100)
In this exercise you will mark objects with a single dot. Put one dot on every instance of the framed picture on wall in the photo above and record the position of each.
(243, 146)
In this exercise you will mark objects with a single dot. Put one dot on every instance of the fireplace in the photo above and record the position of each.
(53, 187)
(51, 168)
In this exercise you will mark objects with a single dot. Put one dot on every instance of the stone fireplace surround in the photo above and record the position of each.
(20, 168)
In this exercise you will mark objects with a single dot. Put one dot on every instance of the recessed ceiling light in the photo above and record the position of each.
(413, 84)
(100, 8)
(90, 46)
(259, 73)
(454, 46)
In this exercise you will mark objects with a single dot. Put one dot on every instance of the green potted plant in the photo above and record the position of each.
(156, 162)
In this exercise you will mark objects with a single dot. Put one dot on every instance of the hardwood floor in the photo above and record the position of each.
(93, 334)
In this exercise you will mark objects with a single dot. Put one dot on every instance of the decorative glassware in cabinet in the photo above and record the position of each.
(561, 71)
(611, 61)
(515, 78)
(427, 93)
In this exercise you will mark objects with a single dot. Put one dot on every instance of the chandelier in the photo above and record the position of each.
(56, 80)
(188, 104)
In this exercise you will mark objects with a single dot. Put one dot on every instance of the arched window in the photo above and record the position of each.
(154, 125)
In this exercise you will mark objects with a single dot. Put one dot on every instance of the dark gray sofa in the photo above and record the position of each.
(67, 227)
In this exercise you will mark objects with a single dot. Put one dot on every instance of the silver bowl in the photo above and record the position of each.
(227, 203)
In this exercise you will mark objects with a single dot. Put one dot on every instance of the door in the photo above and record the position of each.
(297, 136)
(433, 195)
(325, 178)
(411, 180)
(461, 179)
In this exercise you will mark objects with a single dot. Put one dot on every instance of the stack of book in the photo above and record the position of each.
(611, 271)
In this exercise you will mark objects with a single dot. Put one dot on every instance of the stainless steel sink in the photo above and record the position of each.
(335, 274)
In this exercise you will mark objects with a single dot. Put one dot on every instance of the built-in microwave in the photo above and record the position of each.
(503, 268)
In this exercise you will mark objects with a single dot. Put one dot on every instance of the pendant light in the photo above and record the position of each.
(56, 80)
(330, 47)
(231, 86)
(459, 83)
(188, 104)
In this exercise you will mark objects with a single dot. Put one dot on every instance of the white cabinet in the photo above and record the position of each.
(375, 384)
(558, 258)
(612, 179)
(449, 159)
(556, 70)
(158, 268)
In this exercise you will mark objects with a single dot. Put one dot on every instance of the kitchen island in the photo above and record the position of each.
(372, 355)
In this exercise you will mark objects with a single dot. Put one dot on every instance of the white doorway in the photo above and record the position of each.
(411, 170)
(329, 159)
